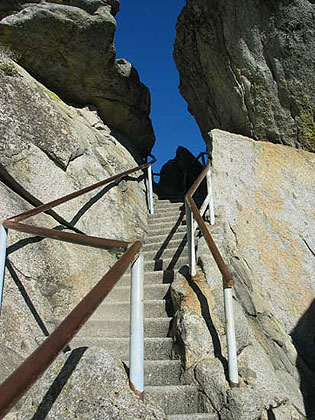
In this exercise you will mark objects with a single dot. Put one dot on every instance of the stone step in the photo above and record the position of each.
(151, 292)
(151, 277)
(166, 230)
(193, 416)
(169, 203)
(165, 264)
(152, 309)
(158, 253)
(167, 214)
(179, 220)
(97, 328)
(162, 372)
(154, 348)
(172, 244)
(174, 399)
(167, 237)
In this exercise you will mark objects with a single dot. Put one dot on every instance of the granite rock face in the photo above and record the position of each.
(77, 387)
(68, 46)
(245, 67)
(264, 201)
(264, 196)
(49, 149)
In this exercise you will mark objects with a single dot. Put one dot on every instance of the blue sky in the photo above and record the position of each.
(145, 37)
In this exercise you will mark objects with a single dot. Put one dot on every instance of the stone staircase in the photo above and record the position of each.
(165, 251)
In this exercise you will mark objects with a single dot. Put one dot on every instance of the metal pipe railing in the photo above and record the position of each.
(150, 190)
(15, 386)
(13, 222)
(136, 347)
(192, 213)
(3, 247)
(58, 201)
(75, 238)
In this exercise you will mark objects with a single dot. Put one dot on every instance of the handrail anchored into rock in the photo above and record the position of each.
(192, 213)
(17, 384)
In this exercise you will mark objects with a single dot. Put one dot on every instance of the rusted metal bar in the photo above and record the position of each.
(15, 386)
(75, 194)
(198, 181)
(75, 238)
(227, 276)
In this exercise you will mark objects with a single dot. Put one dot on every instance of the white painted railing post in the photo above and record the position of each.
(3, 249)
(136, 345)
(210, 194)
(150, 190)
(190, 240)
(230, 337)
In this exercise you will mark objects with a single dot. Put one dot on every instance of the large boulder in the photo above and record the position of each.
(49, 149)
(245, 67)
(264, 201)
(68, 46)
(8, 7)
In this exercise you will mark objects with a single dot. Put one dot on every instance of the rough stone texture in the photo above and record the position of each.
(245, 67)
(268, 378)
(8, 7)
(76, 387)
(265, 196)
(76, 58)
(264, 201)
(49, 149)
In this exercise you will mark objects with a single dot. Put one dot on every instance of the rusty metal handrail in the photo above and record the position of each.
(16, 385)
(205, 231)
(74, 238)
(193, 212)
(64, 199)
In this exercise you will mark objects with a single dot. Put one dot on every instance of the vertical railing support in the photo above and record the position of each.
(136, 345)
(230, 337)
(3, 250)
(150, 190)
(210, 194)
(190, 240)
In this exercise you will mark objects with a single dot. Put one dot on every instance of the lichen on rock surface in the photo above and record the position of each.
(264, 200)
(245, 67)
(68, 46)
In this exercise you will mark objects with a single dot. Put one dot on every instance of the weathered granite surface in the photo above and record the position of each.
(264, 205)
(49, 149)
(245, 67)
(69, 47)
(87, 383)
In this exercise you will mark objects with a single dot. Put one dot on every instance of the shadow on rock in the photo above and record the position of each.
(205, 312)
(58, 384)
(303, 337)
